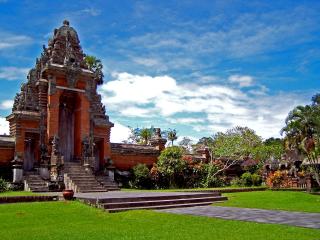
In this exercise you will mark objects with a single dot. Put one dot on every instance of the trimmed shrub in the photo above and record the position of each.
(171, 166)
(141, 177)
(4, 185)
(246, 178)
(236, 182)
(256, 179)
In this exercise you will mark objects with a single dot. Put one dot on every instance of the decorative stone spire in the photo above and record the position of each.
(64, 48)
(157, 140)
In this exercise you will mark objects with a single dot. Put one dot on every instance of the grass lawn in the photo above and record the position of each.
(73, 220)
(279, 200)
(18, 193)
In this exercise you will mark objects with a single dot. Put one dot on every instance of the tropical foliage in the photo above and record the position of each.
(302, 132)
(95, 65)
(172, 135)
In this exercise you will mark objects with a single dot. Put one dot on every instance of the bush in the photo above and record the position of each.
(256, 179)
(141, 177)
(209, 179)
(170, 165)
(246, 178)
(277, 179)
(236, 182)
(4, 185)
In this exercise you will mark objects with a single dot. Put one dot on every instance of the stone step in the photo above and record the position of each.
(160, 197)
(161, 202)
(114, 210)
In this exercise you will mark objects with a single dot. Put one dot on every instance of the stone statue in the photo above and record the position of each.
(85, 147)
(55, 145)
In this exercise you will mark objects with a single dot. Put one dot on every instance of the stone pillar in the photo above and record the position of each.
(17, 170)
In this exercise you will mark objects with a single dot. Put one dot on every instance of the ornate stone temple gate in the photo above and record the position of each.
(58, 117)
(59, 130)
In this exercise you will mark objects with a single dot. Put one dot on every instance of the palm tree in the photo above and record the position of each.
(145, 134)
(302, 133)
(95, 65)
(172, 135)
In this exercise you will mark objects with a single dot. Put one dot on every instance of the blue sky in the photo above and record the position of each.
(196, 66)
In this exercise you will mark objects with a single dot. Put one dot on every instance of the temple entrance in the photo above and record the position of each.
(98, 153)
(29, 157)
(66, 125)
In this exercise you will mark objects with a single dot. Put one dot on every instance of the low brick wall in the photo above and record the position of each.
(18, 199)
(231, 190)
(289, 189)
(249, 189)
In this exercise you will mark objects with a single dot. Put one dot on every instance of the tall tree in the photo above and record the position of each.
(302, 132)
(172, 135)
(233, 146)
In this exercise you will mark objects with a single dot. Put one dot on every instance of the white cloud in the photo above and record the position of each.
(119, 133)
(6, 104)
(149, 62)
(13, 73)
(136, 112)
(243, 81)
(186, 120)
(91, 11)
(4, 126)
(10, 41)
(221, 107)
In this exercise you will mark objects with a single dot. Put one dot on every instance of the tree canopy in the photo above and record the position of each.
(302, 132)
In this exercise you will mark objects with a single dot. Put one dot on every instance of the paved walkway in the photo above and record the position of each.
(308, 220)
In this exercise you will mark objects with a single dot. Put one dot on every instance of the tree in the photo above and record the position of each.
(186, 143)
(206, 141)
(271, 148)
(234, 145)
(170, 163)
(140, 135)
(302, 132)
(172, 135)
(146, 134)
(95, 65)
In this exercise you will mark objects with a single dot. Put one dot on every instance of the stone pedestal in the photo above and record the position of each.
(110, 172)
(17, 170)
(17, 175)
(44, 171)
(89, 163)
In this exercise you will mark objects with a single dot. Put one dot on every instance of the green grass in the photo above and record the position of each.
(18, 193)
(278, 200)
(73, 220)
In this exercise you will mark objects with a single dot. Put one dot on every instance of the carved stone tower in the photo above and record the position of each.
(60, 102)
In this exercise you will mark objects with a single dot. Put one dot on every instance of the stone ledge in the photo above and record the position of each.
(19, 199)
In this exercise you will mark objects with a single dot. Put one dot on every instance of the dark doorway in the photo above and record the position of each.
(29, 157)
(66, 125)
(98, 153)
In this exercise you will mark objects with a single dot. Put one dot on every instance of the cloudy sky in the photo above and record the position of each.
(196, 66)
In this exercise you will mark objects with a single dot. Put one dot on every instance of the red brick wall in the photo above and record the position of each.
(6, 156)
(126, 162)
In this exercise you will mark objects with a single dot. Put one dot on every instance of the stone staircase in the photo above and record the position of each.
(34, 183)
(108, 183)
(165, 201)
(80, 180)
